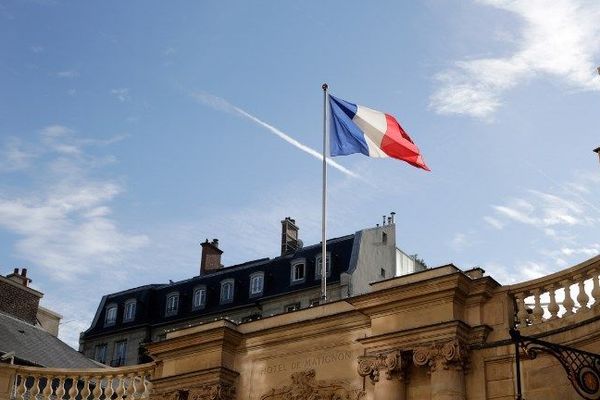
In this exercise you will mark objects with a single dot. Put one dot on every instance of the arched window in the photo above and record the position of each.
(172, 305)
(318, 266)
(111, 315)
(227, 291)
(298, 271)
(199, 298)
(257, 281)
(129, 314)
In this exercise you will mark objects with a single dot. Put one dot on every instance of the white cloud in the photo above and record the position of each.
(493, 222)
(221, 104)
(559, 39)
(122, 94)
(68, 74)
(14, 156)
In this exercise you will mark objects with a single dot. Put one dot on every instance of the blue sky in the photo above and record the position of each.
(130, 132)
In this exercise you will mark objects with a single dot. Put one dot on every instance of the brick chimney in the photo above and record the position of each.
(211, 257)
(20, 277)
(289, 236)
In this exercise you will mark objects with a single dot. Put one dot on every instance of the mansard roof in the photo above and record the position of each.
(151, 299)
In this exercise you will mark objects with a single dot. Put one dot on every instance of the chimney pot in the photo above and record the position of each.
(16, 271)
(24, 272)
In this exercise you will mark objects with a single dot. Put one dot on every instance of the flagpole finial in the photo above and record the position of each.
(325, 86)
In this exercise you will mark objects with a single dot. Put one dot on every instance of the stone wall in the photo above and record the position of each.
(19, 301)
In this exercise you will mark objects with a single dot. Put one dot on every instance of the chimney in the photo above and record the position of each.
(20, 277)
(211, 257)
(289, 236)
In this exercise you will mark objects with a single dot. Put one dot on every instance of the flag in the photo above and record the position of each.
(359, 129)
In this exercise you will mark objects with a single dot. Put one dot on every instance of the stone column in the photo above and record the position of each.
(447, 364)
(388, 373)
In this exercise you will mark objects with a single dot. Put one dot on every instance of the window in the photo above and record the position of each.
(318, 266)
(111, 315)
(172, 304)
(120, 354)
(199, 298)
(100, 353)
(227, 291)
(382, 273)
(383, 238)
(129, 310)
(256, 283)
(298, 272)
(292, 307)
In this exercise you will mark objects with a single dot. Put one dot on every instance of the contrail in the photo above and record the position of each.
(221, 104)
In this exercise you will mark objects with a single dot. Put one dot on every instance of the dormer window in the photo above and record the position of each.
(257, 280)
(318, 266)
(111, 315)
(227, 291)
(130, 306)
(298, 272)
(172, 305)
(199, 298)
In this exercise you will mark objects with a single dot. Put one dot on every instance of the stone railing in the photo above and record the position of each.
(27, 383)
(556, 296)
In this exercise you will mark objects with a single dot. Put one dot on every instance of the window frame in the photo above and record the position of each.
(103, 346)
(128, 303)
(171, 311)
(253, 276)
(225, 282)
(318, 265)
(202, 302)
(109, 307)
(293, 265)
(119, 361)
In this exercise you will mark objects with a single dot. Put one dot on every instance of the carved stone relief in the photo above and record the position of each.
(449, 355)
(205, 392)
(305, 386)
(394, 363)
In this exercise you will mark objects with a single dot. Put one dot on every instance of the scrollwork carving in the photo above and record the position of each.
(452, 354)
(394, 364)
(217, 391)
(306, 387)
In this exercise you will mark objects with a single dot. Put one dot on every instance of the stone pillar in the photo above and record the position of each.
(447, 364)
(392, 384)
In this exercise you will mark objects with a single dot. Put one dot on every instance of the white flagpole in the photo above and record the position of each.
(324, 210)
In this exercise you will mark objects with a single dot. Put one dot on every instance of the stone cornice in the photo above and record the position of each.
(221, 337)
(211, 376)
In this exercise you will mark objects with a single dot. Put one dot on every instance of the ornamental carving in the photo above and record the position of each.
(217, 391)
(176, 395)
(448, 355)
(394, 364)
(306, 387)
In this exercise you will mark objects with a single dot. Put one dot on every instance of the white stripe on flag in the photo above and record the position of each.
(374, 125)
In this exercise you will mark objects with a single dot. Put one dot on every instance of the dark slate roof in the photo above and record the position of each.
(35, 346)
(151, 298)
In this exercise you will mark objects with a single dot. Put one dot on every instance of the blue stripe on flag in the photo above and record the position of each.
(346, 137)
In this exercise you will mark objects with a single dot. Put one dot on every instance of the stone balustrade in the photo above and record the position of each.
(558, 295)
(129, 383)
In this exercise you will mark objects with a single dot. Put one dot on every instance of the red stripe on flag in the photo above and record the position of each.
(397, 144)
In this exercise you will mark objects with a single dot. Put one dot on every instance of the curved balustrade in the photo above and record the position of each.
(88, 384)
(538, 300)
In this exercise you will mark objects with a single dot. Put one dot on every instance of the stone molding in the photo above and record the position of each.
(446, 355)
(394, 363)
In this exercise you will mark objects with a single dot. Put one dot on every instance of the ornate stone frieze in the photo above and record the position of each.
(217, 391)
(176, 395)
(306, 387)
(394, 363)
(453, 354)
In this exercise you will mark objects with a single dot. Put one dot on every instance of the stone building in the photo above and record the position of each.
(438, 334)
(125, 321)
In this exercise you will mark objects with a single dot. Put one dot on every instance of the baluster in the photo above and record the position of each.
(139, 385)
(60, 390)
(522, 313)
(582, 297)
(596, 289)
(553, 307)
(121, 386)
(147, 387)
(568, 303)
(109, 390)
(85, 391)
(97, 392)
(47, 392)
(73, 390)
(538, 311)
(22, 388)
(131, 386)
(35, 388)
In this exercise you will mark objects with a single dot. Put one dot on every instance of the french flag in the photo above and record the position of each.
(359, 129)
